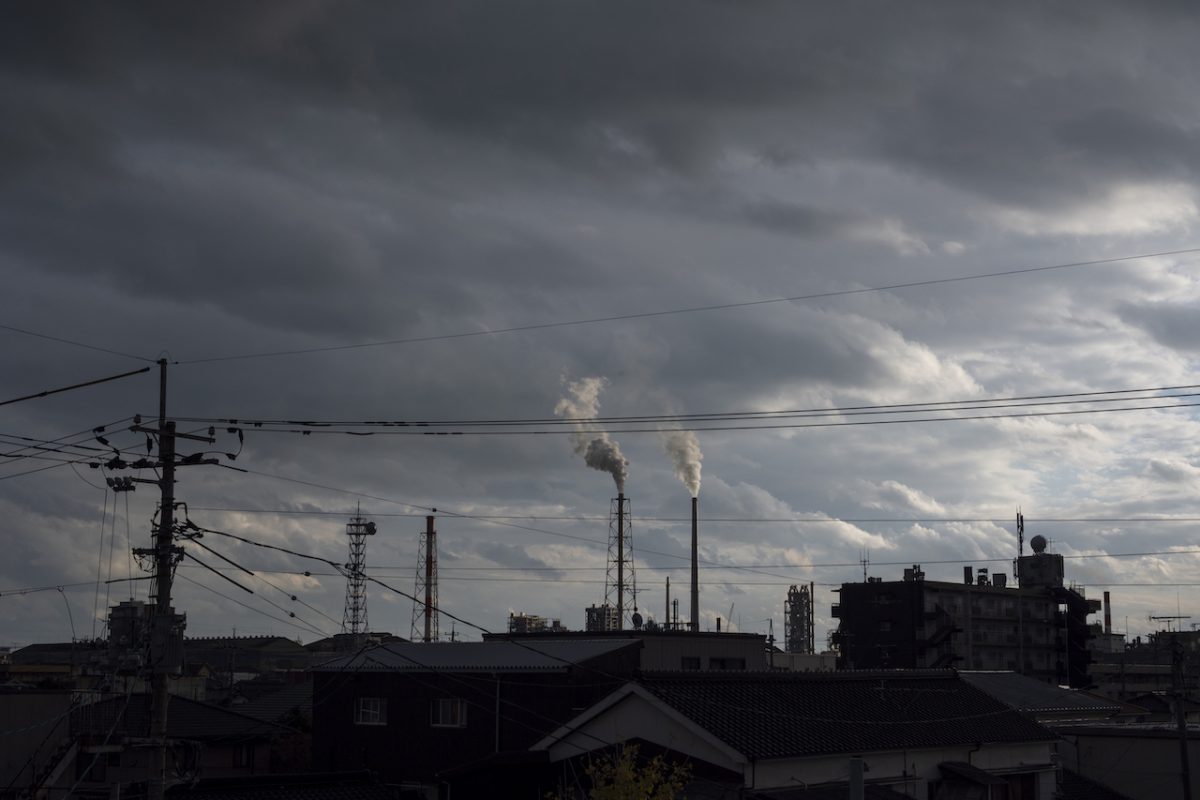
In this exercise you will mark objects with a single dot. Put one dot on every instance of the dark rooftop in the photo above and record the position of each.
(309, 786)
(1036, 697)
(543, 655)
(775, 715)
(186, 719)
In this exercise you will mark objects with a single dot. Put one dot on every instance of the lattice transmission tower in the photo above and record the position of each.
(425, 590)
(354, 618)
(620, 582)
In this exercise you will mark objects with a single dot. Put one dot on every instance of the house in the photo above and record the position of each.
(106, 745)
(1047, 704)
(918, 734)
(251, 655)
(669, 649)
(34, 724)
(1140, 760)
(413, 712)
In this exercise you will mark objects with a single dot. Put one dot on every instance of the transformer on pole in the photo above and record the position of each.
(354, 618)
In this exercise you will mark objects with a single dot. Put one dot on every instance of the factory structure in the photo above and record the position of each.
(1038, 627)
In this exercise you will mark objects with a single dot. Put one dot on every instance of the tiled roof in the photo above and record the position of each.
(317, 786)
(1157, 703)
(1077, 787)
(836, 792)
(773, 715)
(273, 706)
(186, 719)
(549, 655)
(1036, 697)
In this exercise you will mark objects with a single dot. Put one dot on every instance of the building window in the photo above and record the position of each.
(689, 662)
(449, 713)
(243, 755)
(727, 663)
(885, 625)
(370, 711)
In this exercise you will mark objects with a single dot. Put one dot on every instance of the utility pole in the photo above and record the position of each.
(166, 628)
(1185, 772)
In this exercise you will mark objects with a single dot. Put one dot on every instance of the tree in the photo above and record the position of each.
(621, 776)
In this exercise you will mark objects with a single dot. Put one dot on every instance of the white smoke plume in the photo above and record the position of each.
(684, 449)
(598, 450)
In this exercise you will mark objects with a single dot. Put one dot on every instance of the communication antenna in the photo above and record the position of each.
(1020, 533)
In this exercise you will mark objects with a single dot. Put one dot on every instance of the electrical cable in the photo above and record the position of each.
(918, 407)
(100, 562)
(194, 539)
(248, 606)
(691, 310)
(593, 542)
(728, 428)
(48, 392)
(61, 340)
(715, 520)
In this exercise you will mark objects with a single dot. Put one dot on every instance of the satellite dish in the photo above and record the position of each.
(637, 621)
(1038, 543)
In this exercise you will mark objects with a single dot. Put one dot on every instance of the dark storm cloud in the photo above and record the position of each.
(674, 85)
(796, 219)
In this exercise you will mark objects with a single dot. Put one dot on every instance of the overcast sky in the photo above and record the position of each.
(210, 180)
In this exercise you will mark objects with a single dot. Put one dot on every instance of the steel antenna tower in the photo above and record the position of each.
(354, 618)
(620, 583)
(425, 591)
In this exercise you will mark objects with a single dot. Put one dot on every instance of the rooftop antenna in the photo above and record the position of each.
(864, 558)
(1020, 546)
(1020, 533)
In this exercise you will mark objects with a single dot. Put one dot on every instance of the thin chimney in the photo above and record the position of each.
(1107, 614)
(695, 569)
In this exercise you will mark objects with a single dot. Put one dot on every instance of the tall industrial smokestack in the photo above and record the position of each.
(695, 568)
(1107, 614)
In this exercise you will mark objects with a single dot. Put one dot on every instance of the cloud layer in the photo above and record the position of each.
(197, 182)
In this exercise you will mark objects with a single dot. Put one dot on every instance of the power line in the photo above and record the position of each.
(74, 343)
(690, 310)
(306, 628)
(48, 392)
(714, 520)
(728, 428)
(718, 416)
